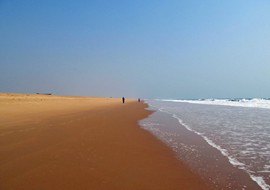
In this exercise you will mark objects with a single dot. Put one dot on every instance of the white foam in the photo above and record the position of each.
(255, 103)
(224, 152)
(258, 179)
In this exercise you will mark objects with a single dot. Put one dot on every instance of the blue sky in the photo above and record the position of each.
(144, 48)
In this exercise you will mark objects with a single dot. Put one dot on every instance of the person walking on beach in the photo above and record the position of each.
(139, 100)
(123, 100)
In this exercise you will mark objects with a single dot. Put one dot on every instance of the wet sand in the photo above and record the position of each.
(214, 168)
(58, 142)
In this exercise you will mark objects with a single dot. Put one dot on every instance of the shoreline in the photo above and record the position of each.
(194, 150)
(58, 142)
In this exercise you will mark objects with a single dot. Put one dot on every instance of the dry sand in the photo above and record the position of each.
(57, 142)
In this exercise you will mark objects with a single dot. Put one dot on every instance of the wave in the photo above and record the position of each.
(258, 179)
(254, 103)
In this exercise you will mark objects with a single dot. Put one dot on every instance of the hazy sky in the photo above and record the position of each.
(141, 48)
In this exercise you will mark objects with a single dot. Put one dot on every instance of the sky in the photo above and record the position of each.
(145, 48)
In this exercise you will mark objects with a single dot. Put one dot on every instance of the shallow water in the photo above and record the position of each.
(241, 134)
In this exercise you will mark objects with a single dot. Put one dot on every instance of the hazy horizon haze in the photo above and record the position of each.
(149, 49)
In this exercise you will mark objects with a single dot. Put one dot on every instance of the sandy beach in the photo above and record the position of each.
(61, 142)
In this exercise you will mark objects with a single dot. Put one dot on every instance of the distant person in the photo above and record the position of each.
(139, 100)
(123, 100)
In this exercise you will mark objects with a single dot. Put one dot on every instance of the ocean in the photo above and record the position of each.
(226, 141)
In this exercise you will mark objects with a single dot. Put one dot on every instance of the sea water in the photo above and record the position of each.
(239, 129)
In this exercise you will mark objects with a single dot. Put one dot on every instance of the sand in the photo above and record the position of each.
(213, 167)
(59, 142)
